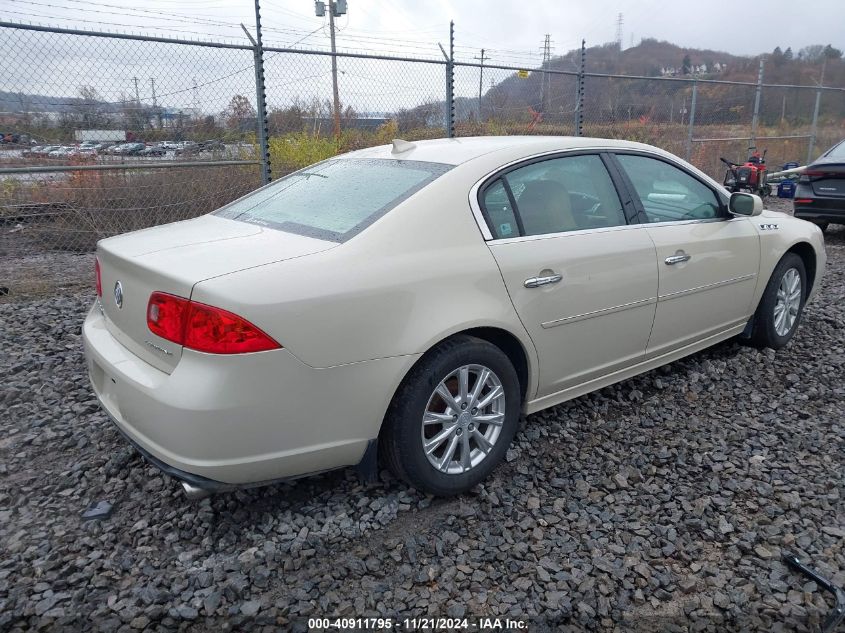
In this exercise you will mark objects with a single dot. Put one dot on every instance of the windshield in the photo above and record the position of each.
(336, 199)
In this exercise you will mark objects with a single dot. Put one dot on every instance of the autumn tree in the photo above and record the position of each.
(240, 115)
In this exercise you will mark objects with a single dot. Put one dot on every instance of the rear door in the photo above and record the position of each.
(582, 279)
(707, 260)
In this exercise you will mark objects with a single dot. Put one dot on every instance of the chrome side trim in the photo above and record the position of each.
(597, 313)
(550, 236)
(718, 284)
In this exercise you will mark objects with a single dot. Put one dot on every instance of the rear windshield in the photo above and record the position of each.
(837, 151)
(336, 199)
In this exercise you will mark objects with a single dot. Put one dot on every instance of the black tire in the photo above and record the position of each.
(763, 333)
(401, 443)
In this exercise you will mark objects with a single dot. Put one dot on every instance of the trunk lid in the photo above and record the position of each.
(173, 258)
(827, 179)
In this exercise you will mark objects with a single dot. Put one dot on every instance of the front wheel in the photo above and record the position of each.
(781, 305)
(452, 420)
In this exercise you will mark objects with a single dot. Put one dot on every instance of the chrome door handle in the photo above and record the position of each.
(536, 282)
(677, 259)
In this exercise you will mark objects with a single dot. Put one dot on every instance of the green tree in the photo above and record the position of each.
(686, 65)
(832, 53)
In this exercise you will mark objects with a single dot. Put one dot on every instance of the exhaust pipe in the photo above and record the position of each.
(193, 493)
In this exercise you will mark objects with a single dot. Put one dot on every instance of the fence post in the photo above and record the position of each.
(579, 106)
(691, 119)
(814, 127)
(755, 119)
(260, 99)
(450, 83)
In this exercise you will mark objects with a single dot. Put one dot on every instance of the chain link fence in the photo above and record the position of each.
(106, 133)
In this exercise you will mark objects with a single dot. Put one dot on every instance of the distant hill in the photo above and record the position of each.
(608, 100)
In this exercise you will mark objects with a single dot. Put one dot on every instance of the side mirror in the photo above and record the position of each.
(745, 204)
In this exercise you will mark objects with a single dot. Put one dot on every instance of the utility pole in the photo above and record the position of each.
(137, 94)
(480, 81)
(155, 104)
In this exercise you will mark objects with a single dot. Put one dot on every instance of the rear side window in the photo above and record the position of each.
(336, 199)
(558, 195)
(499, 211)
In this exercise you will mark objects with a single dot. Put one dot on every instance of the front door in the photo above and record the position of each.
(707, 260)
(583, 280)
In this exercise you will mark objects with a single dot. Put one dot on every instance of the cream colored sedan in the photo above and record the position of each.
(408, 303)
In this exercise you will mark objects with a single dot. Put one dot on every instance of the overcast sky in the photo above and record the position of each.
(513, 29)
(511, 32)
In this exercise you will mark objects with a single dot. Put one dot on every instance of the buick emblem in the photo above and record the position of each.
(118, 294)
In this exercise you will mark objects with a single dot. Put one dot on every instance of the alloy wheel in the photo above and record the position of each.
(788, 302)
(463, 419)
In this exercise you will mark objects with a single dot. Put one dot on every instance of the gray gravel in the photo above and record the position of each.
(659, 504)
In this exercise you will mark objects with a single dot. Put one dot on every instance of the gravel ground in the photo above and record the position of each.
(659, 504)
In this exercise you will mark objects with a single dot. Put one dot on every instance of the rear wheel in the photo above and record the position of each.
(453, 418)
(781, 305)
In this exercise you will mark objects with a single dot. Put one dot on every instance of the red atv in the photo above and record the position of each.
(751, 177)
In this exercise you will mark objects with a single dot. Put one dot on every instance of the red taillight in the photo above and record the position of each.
(803, 200)
(204, 328)
(99, 278)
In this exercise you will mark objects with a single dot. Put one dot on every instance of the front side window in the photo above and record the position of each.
(558, 195)
(668, 193)
(336, 199)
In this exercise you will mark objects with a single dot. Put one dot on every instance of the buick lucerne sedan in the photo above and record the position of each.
(406, 304)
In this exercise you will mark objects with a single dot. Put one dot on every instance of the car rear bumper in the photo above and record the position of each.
(221, 421)
(819, 213)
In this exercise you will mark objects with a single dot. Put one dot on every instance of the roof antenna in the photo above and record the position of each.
(400, 146)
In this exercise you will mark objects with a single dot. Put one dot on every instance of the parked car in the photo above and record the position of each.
(820, 194)
(213, 145)
(152, 150)
(128, 149)
(170, 144)
(60, 152)
(412, 301)
(32, 151)
(188, 147)
(43, 150)
(83, 152)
